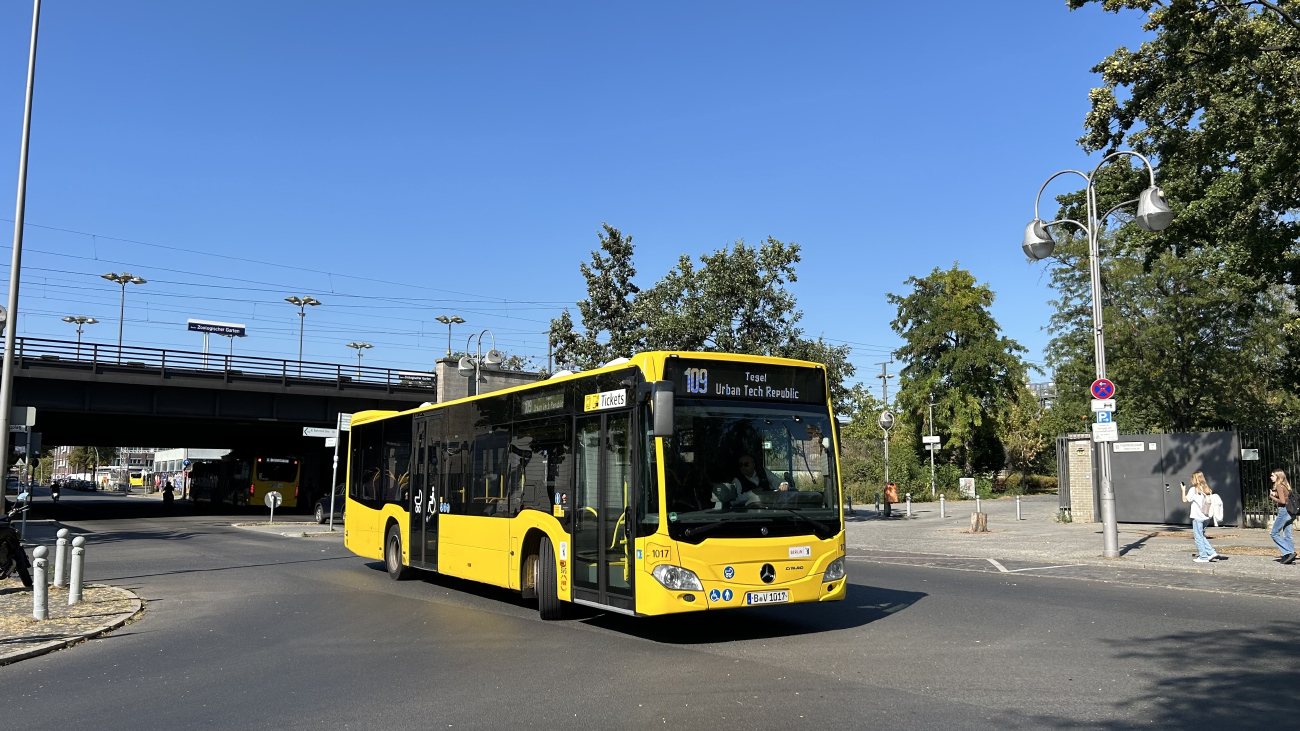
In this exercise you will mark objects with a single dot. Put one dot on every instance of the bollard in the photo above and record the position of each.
(909, 504)
(1018, 508)
(877, 504)
(977, 503)
(40, 584)
(61, 558)
(943, 508)
(78, 569)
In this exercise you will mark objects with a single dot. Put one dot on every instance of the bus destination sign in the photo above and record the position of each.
(747, 381)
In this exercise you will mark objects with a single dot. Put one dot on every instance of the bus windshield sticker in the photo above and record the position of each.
(605, 400)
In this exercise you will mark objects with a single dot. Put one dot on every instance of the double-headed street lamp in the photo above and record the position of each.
(472, 365)
(359, 347)
(80, 320)
(302, 303)
(123, 279)
(449, 321)
(1153, 214)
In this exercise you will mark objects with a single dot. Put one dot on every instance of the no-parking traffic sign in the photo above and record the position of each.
(1102, 388)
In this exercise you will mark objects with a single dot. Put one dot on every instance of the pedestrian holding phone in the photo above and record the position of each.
(1281, 533)
(1199, 496)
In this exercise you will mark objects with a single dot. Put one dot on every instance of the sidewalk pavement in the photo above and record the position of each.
(1038, 538)
(294, 529)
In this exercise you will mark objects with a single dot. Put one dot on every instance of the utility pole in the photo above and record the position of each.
(886, 417)
(15, 267)
(932, 446)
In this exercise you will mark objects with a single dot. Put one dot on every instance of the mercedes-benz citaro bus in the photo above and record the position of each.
(667, 483)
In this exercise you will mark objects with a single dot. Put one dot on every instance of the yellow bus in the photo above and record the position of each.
(668, 483)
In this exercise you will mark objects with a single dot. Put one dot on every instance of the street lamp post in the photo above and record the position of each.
(302, 303)
(1153, 214)
(886, 417)
(472, 365)
(359, 347)
(16, 260)
(123, 279)
(449, 321)
(933, 446)
(80, 320)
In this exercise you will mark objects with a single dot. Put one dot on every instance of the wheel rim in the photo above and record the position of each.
(320, 514)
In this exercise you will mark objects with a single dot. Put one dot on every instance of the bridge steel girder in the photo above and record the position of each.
(111, 405)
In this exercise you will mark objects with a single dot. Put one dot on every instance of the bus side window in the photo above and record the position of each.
(365, 463)
(396, 461)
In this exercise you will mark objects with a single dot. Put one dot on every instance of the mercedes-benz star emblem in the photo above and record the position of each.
(763, 530)
(767, 573)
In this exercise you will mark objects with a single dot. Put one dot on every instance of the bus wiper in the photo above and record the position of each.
(820, 526)
(702, 528)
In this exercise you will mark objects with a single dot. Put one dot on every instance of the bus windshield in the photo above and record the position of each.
(750, 470)
(277, 470)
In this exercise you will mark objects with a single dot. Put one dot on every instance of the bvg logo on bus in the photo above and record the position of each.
(605, 400)
(697, 380)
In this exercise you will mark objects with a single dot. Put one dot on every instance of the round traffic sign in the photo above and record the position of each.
(886, 420)
(273, 499)
(1103, 388)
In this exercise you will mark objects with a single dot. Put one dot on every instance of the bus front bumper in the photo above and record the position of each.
(655, 599)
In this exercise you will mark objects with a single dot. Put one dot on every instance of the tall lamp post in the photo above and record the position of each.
(302, 303)
(449, 321)
(472, 364)
(359, 347)
(80, 320)
(1153, 214)
(123, 279)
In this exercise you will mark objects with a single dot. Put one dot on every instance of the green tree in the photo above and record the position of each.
(1023, 437)
(610, 328)
(734, 300)
(1190, 343)
(954, 350)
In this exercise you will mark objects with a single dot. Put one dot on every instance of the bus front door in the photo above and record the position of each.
(602, 546)
(429, 439)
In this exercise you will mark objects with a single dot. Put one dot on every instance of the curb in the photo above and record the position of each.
(121, 620)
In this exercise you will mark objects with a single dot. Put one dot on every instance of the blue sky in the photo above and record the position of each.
(399, 161)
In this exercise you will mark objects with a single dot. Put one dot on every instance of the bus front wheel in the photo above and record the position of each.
(549, 605)
(393, 555)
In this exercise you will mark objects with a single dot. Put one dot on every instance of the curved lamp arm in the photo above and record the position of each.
(1151, 171)
(1043, 187)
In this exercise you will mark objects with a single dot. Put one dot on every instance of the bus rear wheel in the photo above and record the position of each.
(549, 605)
(393, 555)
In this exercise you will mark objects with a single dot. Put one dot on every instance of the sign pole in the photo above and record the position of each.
(932, 490)
(344, 425)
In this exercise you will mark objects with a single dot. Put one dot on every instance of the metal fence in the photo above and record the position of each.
(164, 361)
(1278, 449)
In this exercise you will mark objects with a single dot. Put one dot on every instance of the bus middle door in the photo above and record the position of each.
(602, 542)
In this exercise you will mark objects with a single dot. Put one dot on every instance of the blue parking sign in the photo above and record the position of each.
(1103, 417)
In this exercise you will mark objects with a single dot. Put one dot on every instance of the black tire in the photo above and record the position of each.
(23, 572)
(320, 514)
(393, 555)
(549, 605)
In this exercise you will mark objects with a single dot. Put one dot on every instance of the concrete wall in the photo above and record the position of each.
(452, 385)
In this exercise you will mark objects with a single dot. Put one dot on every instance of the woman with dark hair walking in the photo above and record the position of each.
(1281, 533)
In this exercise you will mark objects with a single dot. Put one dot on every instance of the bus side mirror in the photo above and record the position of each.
(661, 408)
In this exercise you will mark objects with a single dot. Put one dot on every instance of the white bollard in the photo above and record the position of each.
(61, 558)
(40, 584)
(909, 504)
(78, 569)
(1018, 508)
(977, 503)
(943, 507)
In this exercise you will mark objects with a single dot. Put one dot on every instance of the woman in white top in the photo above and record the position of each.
(1199, 497)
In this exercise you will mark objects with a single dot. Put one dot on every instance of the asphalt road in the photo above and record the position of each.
(256, 631)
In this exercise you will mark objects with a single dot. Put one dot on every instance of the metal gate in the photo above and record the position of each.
(1146, 470)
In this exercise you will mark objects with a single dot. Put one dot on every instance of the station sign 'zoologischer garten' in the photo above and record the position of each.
(216, 328)
(748, 381)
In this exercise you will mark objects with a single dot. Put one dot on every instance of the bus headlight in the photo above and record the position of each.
(835, 570)
(677, 578)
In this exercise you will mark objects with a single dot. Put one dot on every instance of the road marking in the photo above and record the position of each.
(997, 565)
(1044, 568)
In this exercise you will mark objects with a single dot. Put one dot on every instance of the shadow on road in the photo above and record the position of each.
(222, 568)
(863, 605)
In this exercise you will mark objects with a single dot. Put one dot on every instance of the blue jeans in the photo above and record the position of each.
(1203, 547)
(1281, 532)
